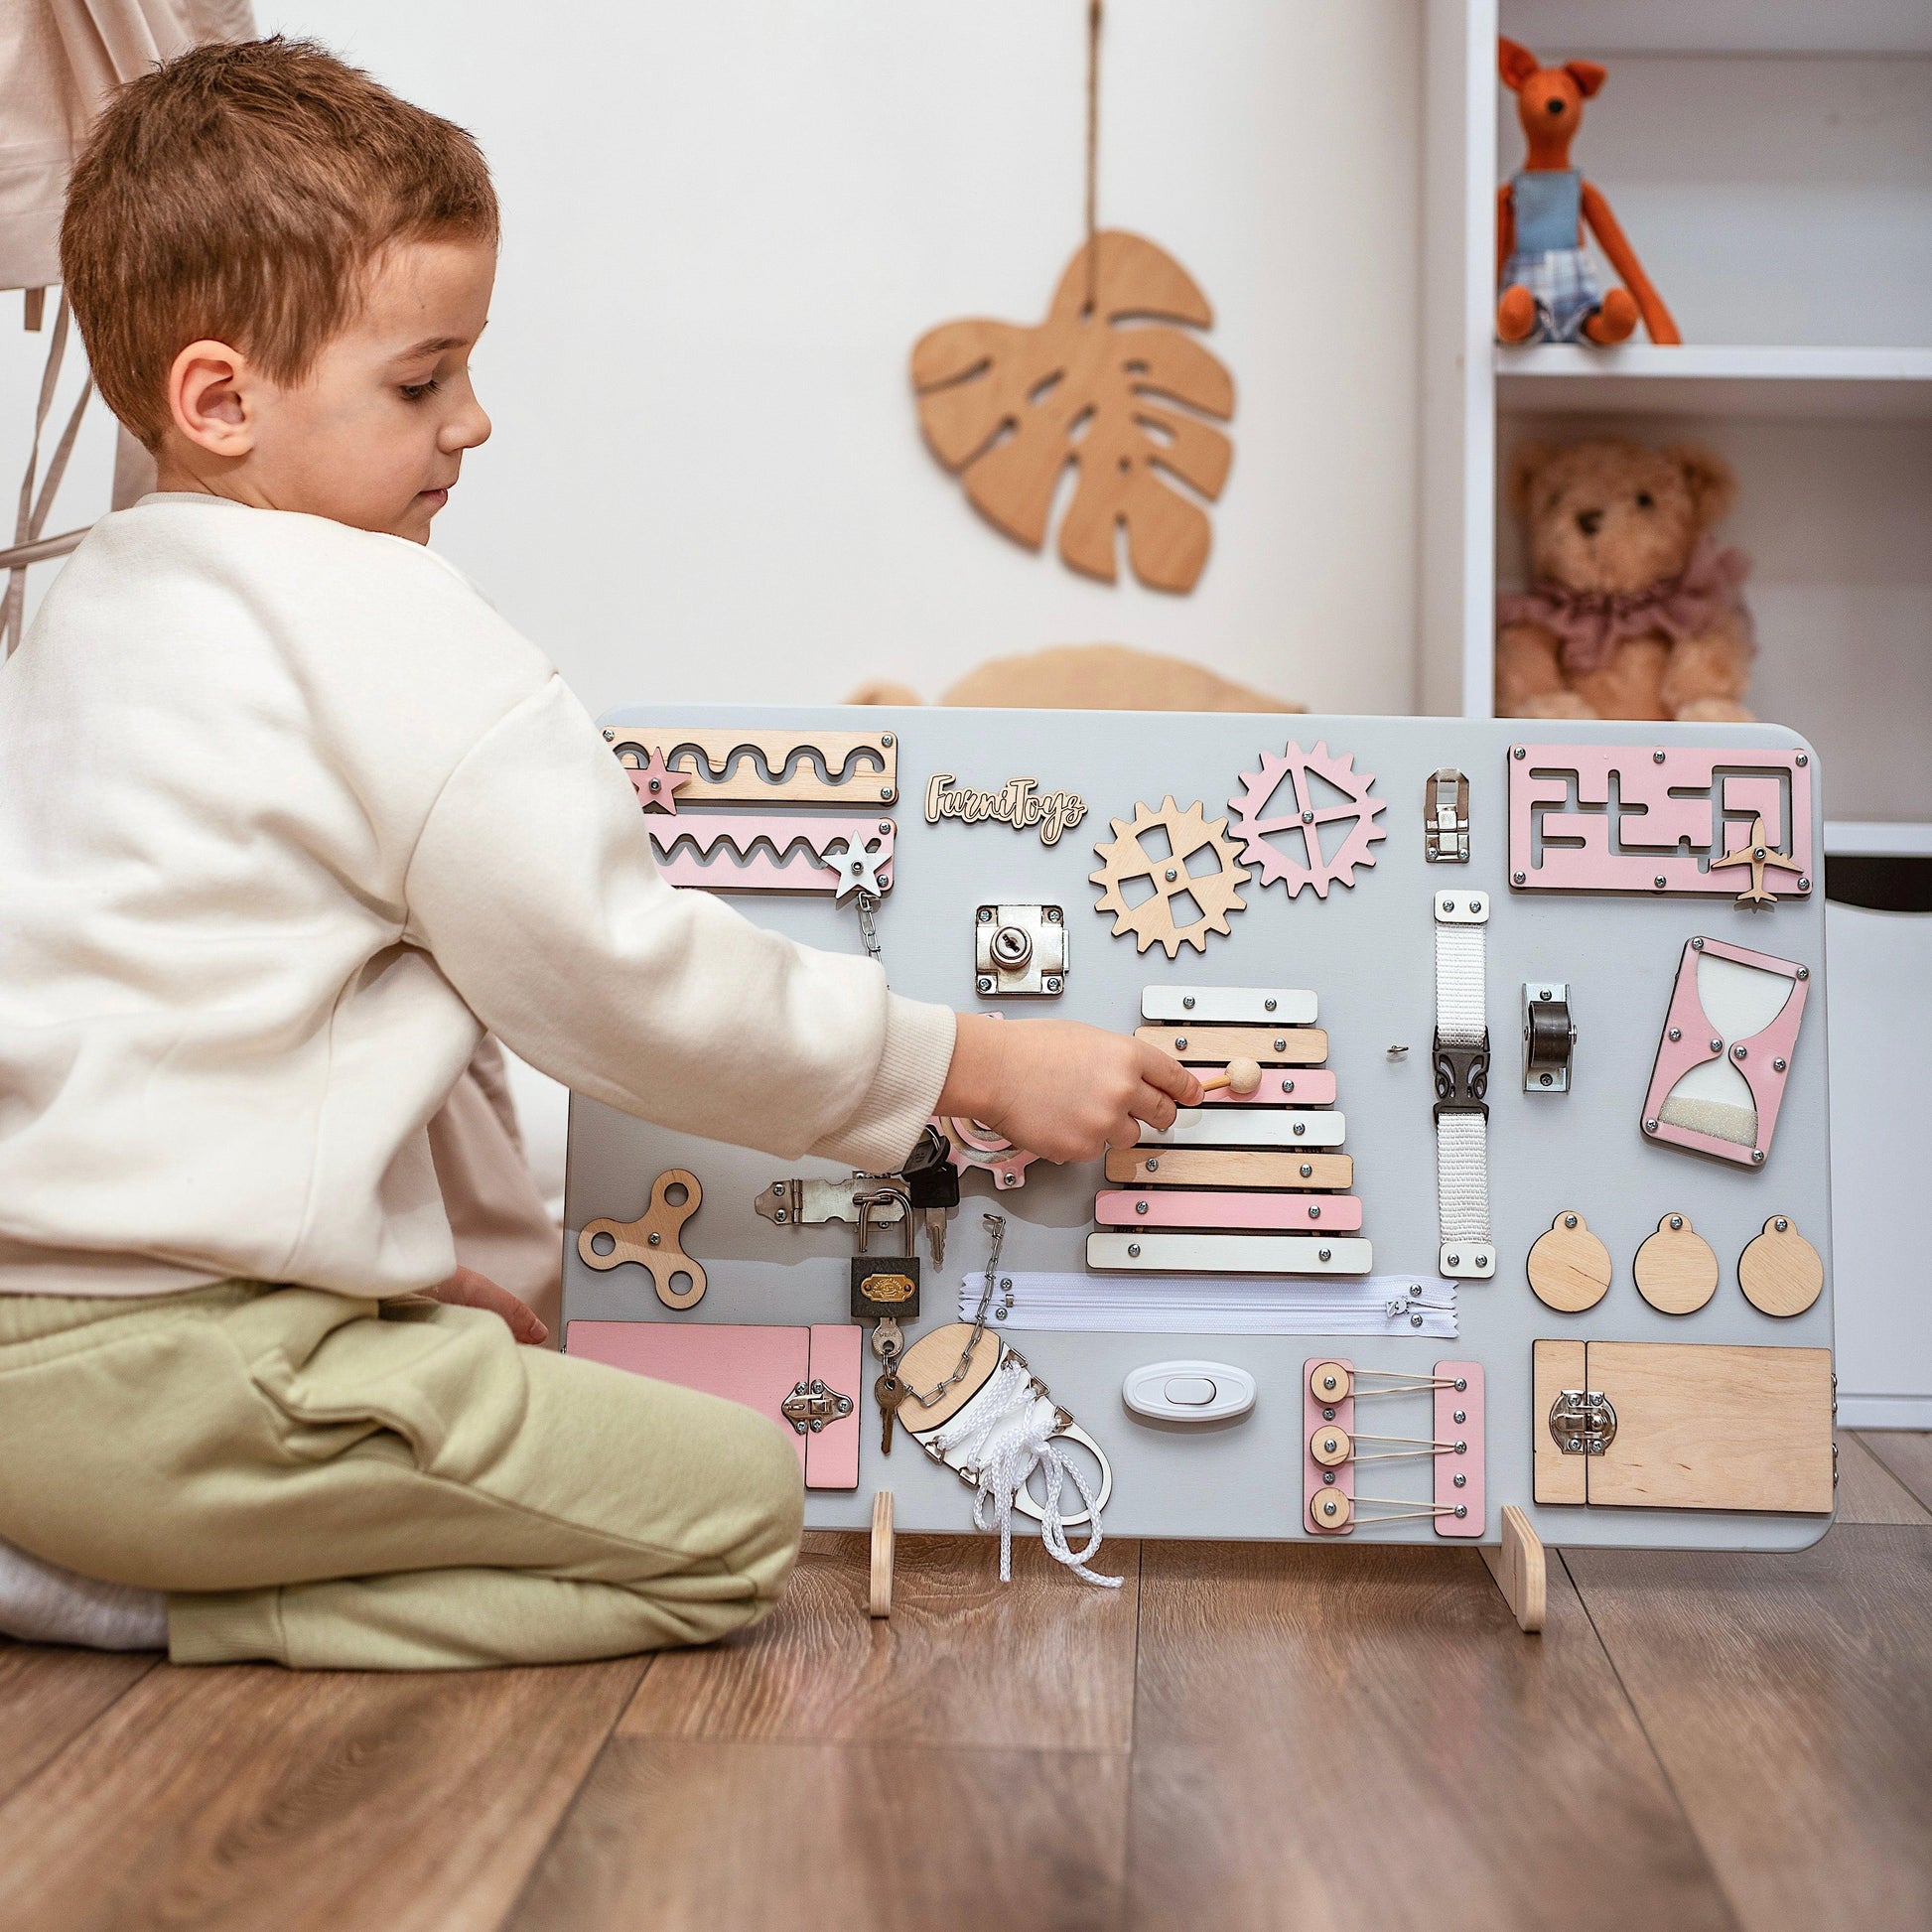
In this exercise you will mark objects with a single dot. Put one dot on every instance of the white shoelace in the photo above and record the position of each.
(1006, 1435)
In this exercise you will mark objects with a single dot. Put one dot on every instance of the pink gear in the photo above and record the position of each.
(975, 1144)
(1305, 819)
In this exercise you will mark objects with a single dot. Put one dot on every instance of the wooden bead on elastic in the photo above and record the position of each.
(1329, 1383)
(1329, 1510)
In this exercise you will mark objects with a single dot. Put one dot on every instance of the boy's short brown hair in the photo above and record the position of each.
(238, 192)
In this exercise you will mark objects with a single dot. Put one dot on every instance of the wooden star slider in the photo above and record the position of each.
(657, 783)
(1756, 853)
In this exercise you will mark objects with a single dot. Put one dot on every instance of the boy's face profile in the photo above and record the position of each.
(373, 434)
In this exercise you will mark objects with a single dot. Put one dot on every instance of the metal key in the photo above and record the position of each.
(889, 1392)
(888, 1340)
(932, 1188)
(930, 1192)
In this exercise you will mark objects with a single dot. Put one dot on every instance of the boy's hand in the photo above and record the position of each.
(1061, 1089)
(470, 1289)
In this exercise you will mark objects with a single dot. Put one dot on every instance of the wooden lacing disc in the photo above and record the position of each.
(1780, 1272)
(652, 1241)
(931, 1360)
(1675, 1270)
(1569, 1267)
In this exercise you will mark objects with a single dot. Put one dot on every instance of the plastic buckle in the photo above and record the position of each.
(1461, 1077)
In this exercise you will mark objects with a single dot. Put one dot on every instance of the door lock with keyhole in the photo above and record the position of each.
(1020, 951)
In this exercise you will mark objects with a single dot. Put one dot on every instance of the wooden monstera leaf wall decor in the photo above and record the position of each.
(1106, 384)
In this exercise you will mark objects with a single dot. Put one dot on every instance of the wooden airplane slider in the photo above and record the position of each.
(1756, 853)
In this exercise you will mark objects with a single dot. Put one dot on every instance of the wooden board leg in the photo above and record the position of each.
(882, 1554)
(1517, 1564)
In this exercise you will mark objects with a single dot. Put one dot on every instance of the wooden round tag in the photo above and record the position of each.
(1569, 1267)
(1675, 1271)
(1780, 1272)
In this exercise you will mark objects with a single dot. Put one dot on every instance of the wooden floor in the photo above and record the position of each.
(1269, 1736)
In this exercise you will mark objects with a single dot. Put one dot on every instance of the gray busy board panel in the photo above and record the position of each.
(1368, 953)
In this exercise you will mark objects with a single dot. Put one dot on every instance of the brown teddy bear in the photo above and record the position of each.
(1632, 609)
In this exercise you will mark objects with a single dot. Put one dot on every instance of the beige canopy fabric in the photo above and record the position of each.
(59, 60)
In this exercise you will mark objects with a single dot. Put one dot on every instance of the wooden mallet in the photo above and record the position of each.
(1242, 1077)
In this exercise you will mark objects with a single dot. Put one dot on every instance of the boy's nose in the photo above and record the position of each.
(1590, 522)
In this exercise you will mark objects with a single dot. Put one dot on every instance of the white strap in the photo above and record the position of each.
(1461, 1130)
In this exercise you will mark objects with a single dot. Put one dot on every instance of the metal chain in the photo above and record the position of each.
(868, 932)
(996, 1226)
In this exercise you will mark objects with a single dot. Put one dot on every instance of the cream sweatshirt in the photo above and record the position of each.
(288, 815)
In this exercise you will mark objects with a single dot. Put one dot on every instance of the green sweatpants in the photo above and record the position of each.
(368, 1485)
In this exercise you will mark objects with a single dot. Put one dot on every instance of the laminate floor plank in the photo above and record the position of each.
(1361, 1738)
(1907, 1454)
(1790, 1700)
(50, 1695)
(247, 1796)
(1869, 1492)
(683, 1835)
(1044, 1662)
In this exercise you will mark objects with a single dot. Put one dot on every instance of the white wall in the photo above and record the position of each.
(727, 223)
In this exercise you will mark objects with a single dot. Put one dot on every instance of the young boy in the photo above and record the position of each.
(289, 815)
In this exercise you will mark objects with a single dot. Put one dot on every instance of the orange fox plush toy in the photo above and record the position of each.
(1549, 288)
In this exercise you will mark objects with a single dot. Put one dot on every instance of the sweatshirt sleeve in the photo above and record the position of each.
(534, 888)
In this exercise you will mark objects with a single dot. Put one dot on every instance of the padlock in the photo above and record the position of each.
(888, 1283)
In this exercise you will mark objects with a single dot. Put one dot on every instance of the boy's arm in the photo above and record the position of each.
(533, 886)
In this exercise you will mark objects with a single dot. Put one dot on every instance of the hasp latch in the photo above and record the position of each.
(1549, 1037)
(1446, 817)
(1582, 1422)
(811, 1405)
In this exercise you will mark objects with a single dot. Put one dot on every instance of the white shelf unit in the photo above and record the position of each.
(1768, 161)
(1769, 164)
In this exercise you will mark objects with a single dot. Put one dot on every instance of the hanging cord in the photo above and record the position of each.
(1006, 1434)
(1093, 153)
(32, 519)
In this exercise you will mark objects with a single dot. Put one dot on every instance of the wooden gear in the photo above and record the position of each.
(652, 1241)
(1304, 818)
(1217, 893)
(1569, 1267)
(1009, 407)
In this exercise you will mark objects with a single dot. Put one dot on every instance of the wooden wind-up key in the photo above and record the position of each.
(1239, 1076)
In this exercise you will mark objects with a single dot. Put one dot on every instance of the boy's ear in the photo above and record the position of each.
(1588, 75)
(205, 399)
(1514, 63)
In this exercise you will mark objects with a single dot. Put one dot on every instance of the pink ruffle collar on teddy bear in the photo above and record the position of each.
(1590, 624)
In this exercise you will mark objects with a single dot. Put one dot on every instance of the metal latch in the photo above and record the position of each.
(1019, 950)
(867, 1200)
(1446, 817)
(1549, 1037)
(1461, 1077)
(811, 1405)
(1582, 1422)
